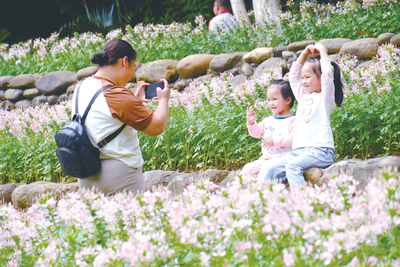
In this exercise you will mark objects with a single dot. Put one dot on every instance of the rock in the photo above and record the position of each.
(230, 178)
(7, 105)
(13, 94)
(247, 69)
(155, 71)
(6, 191)
(194, 65)
(215, 176)
(39, 100)
(289, 55)
(334, 57)
(23, 195)
(333, 45)
(155, 178)
(62, 98)
(23, 81)
(364, 171)
(31, 93)
(86, 72)
(71, 89)
(1, 95)
(277, 51)
(314, 176)
(258, 55)
(342, 167)
(52, 99)
(55, 83)
(70, 96)
(238, 80)
(179, 182)
(204, 78)
(269, 64)
(224, 62)
(234, 71)
(181, 84)
(299, 45)
(23, 103)
(395, 40)
(384, 38)
(363, 48)
(4, 82)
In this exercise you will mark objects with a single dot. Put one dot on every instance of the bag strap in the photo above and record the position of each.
(109, 138)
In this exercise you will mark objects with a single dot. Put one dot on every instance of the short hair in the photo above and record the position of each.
(222, 3)
(113, 51)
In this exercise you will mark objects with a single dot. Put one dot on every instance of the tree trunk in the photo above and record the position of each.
(264, 9)
(240, 12)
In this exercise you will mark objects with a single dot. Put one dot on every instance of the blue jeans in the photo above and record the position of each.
(294, 164)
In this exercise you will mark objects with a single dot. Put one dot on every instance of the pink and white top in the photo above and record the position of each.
(280, 129)
(225, 21)
(313, 128)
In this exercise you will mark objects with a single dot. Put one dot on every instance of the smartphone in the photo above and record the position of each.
(150, 90)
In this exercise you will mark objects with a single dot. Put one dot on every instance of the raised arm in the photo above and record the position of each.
(327, 85)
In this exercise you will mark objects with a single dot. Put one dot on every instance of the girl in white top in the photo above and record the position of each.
(317, 91)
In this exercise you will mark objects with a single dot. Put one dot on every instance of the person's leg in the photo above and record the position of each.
(276, 168)
(320, 157)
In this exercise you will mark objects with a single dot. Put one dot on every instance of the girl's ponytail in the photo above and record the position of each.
(338, 84)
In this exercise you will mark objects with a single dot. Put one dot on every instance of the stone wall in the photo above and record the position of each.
(31, 89)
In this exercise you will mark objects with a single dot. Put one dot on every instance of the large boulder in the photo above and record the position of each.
(333, 45)
(384, 38)
(289, 55)
(7, 105)
(31, 93)
(86, 72)
(342, 167)
(23, 81)
(23, 103)
(258, 55)
(238, 80)
(365, 48)
(155, 71)
(156, 178)
(269, 64)
(62, 98)
(215, 176)
(277, 51)
(37, 100)
(179, 182)
(194, 65)
(24, 194)
(299, 45)
(225, 62)
(55, 83)
(6, 191)
(247, 70)
(13, 94)
(395, 40)
(71, 89)
(4, 82)
(52, 99)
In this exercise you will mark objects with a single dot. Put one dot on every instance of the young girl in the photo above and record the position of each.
(316, 89)
(275, 131)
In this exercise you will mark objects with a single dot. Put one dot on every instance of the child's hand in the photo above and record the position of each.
(318, 47)
(251, 116)
(268, 142)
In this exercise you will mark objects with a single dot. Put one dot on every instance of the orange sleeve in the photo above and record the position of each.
(127, 108)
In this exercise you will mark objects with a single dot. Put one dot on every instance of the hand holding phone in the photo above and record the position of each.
(150, 91)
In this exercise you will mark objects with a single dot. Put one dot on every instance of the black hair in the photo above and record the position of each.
(222, 3)
(113, 51)
(337, 81)
(286, 90)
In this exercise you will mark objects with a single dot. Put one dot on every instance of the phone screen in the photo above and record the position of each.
(150, 91)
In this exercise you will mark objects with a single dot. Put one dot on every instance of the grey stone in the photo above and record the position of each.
(384, 38)
(277, 51)
(23, 103)
(314, 176)
(333, 45)
(194, 65)
(395, 40)
(363, 48)
(289, 55)
(71, 89)
(238, 80)
(70, 96)
(342, 167)
(299, 45)
(224, 62)
(155, 71)
(180, 181)
(181, 84)
(6, 191)
(229, 179)
(157, 178)
(234, 71)
(334, 57)
(13, 94)
(1, 95)
(52, 99)
(258, 55)
(7, 105)
(86, 72)
(247, 69)
(24, 194)
(23, 81)
(55, 83)
(62, 98)
(215, 176)
(37, 100)
(269, 64)
(31, 93)
(4, 82)
(204, 78)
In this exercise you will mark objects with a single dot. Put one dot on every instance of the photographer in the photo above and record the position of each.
(121, 158)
